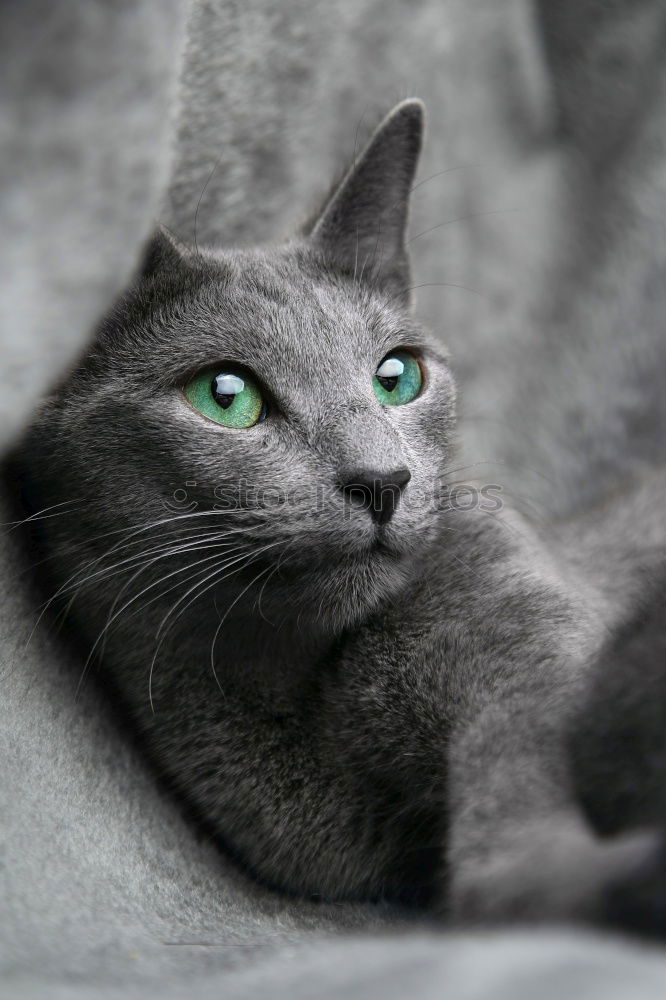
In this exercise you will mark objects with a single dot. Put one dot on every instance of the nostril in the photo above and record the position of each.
(401, 477)
(378, 492)
(358, 493)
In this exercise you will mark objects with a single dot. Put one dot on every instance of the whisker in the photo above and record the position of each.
(107, 572)
(124, 542)
(163, 550)
(439, 173)
(261, 594)
(215, 579)
(117, 614)
(507, 465)
(462, 218)
(41, 515)
(226, 615)
(438, 284)
(251, 556)
(210, 544)
(203, 191)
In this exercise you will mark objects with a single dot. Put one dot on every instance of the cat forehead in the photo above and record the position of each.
(283, 307)
(299, 283)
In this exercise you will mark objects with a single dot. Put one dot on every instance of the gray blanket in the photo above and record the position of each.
(545, 126)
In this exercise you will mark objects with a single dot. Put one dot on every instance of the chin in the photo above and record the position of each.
(339, 595)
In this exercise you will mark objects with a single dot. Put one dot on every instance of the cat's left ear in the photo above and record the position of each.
(362, 227)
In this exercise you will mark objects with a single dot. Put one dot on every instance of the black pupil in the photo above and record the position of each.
(223, 399)
(388, 383)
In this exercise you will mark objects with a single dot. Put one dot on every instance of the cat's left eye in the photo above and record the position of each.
(227, 394)
(398, 379)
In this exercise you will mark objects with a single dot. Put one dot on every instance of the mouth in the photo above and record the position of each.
(364, 555)
(385, 547)
(337, 588)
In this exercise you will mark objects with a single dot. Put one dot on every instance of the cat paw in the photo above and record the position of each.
(563, 872)
(636, 901)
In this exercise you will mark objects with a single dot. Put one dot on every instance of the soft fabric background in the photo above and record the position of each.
(543, 194)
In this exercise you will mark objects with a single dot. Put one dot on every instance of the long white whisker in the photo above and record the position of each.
(215, 579)
(40, 514)
(210, 544)
(250, 555)
(75, 585)
(226, 615)
(71, 581)
(155, 583)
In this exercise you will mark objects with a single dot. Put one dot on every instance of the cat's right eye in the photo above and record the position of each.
(398, 379)
(227, 394)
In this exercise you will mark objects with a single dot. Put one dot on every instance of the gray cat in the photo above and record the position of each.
(360, 684)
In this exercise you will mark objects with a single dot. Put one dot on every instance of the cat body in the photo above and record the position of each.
(362, 698)
(618, 739)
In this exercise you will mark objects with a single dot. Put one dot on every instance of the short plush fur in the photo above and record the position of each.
(356, 709)
(618, 740)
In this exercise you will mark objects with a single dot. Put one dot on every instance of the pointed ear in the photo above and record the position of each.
(162, 252)
(362, 227)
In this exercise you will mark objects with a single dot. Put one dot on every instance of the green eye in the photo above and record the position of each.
(228, 395)
(398, 379)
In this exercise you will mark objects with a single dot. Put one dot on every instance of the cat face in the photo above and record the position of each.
(321, 481)
(312, 346)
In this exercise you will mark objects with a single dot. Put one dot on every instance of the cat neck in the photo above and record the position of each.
(276, 657)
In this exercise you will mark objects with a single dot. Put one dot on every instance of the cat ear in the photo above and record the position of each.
(362, 227)
(162, 252)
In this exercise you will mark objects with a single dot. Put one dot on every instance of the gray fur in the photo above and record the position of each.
(350, 694)
(618, 740)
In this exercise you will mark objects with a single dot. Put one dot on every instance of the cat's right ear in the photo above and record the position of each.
(162, 252)
(362, 227)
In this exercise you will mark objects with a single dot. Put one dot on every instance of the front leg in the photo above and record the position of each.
(519, 847)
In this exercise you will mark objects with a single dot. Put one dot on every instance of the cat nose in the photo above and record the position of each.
(378, 492)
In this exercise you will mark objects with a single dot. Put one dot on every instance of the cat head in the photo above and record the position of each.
(281, 406)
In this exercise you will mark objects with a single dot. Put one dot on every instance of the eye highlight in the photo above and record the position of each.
(227, 394)
(398, 379)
